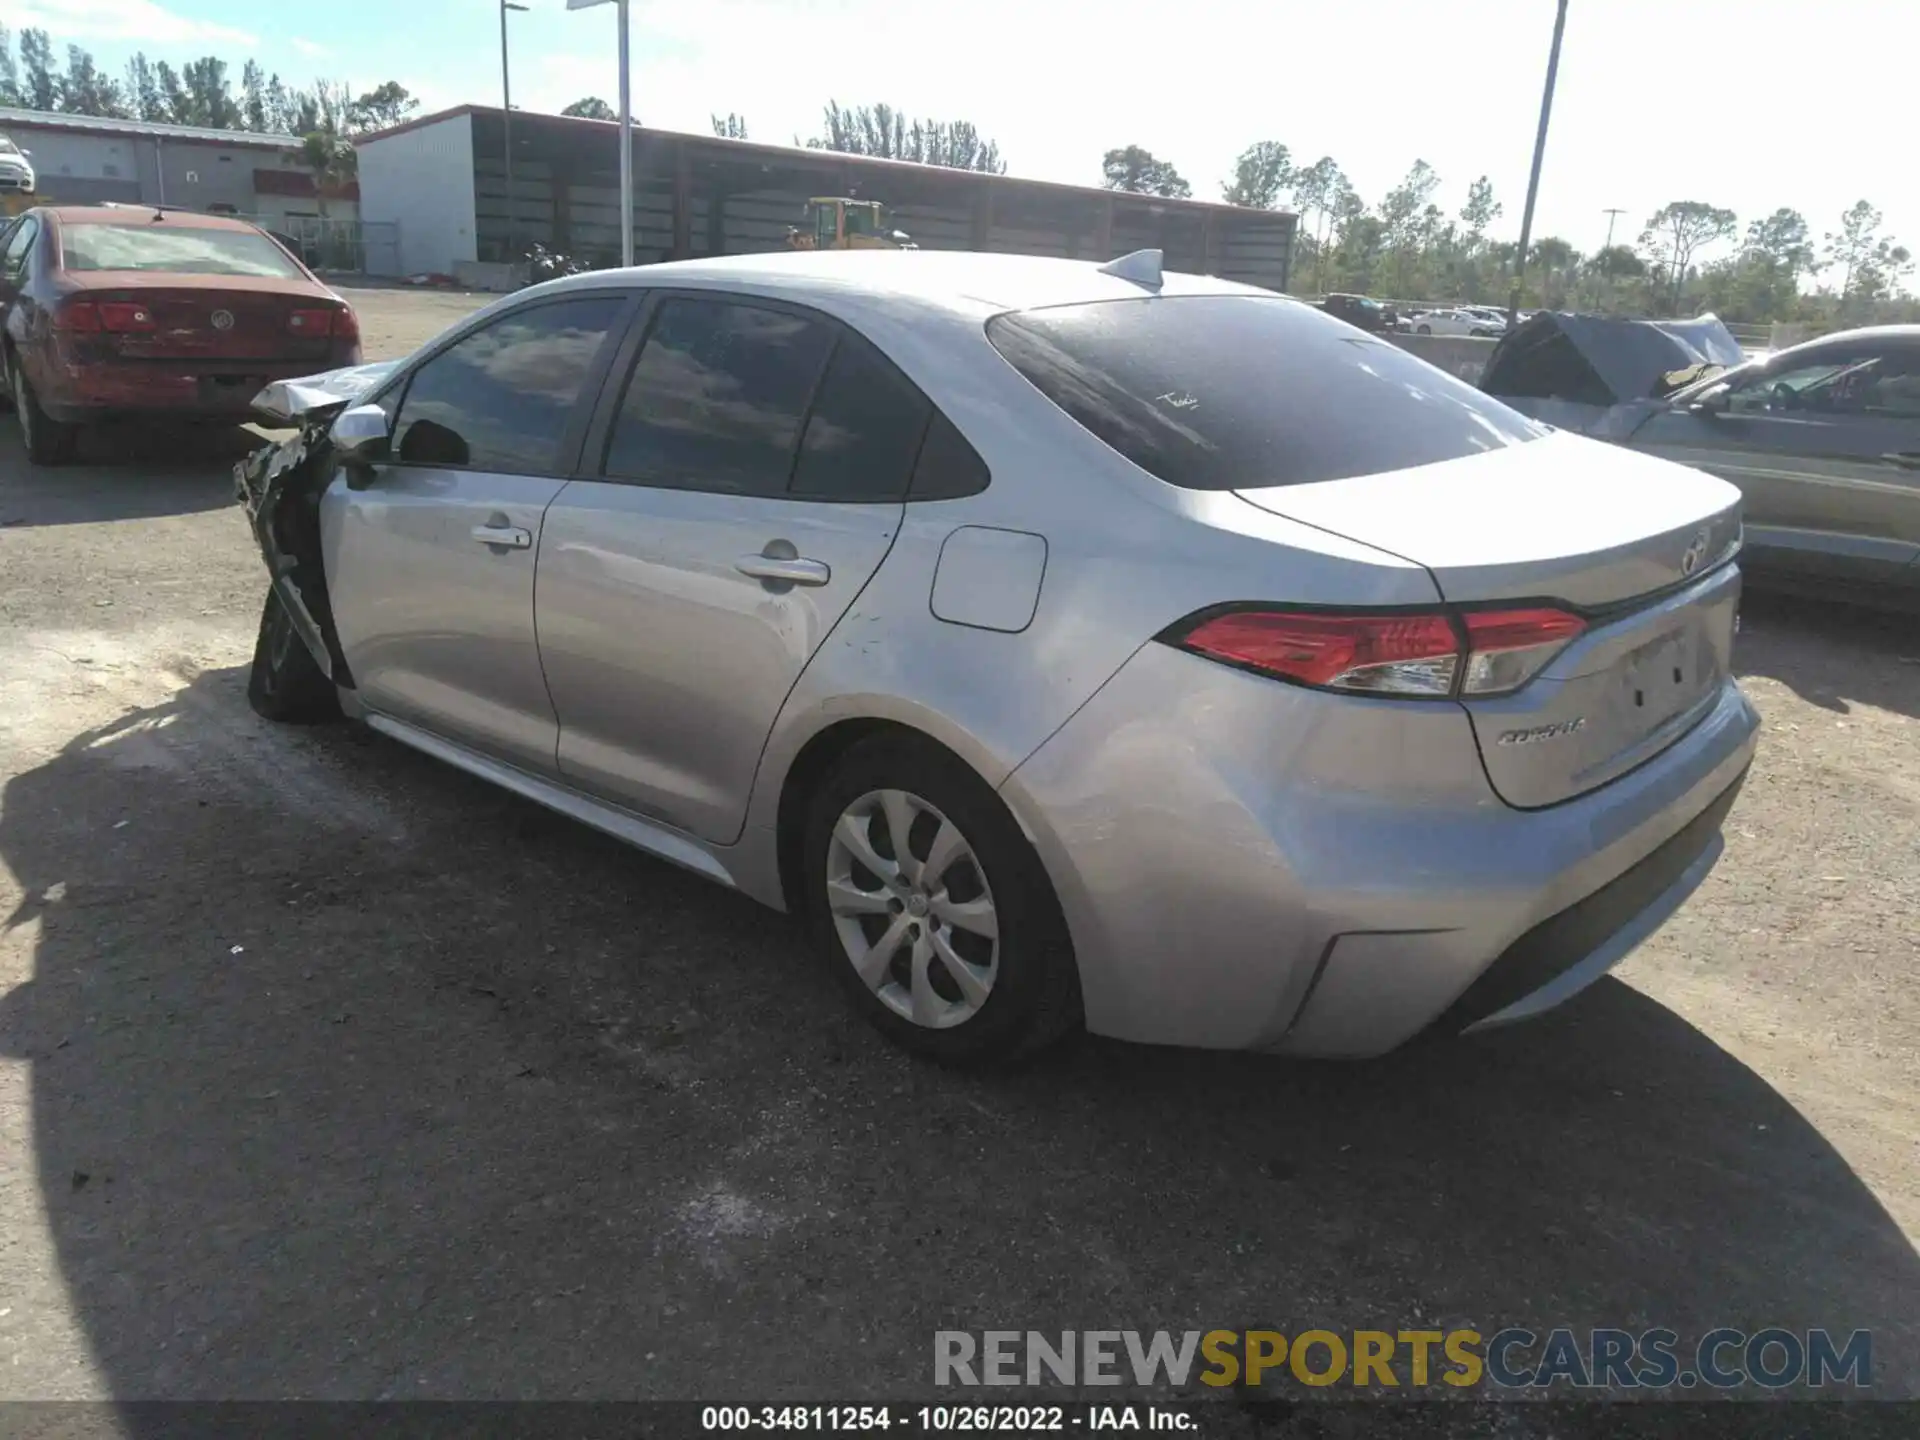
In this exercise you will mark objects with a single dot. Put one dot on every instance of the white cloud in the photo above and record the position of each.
(312, 49)
(128, 21)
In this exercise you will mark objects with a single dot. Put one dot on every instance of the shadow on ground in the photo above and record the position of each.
(353, 1078)
(125, 472)
(1831, 654)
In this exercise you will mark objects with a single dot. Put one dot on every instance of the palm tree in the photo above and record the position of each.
(330, 158)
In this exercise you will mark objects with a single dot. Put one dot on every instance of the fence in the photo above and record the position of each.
(347, 247)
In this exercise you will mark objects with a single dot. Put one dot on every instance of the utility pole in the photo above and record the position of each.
(506, 118)
(1539, 153)
(626, 129)
(1611, 215)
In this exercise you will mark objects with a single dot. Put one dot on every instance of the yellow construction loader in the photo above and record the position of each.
(836, 223)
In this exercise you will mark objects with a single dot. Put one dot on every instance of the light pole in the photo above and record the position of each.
(1539, 153)
(1611, 215)
(626, 130)
(506, 117)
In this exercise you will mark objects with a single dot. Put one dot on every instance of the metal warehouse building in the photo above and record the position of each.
(441, 181)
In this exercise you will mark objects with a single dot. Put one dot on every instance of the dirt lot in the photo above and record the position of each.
(328, 1072)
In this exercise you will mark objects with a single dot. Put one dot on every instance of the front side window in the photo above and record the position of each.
(175, 249)
(1830, 383)
(717, 398)
(1223, 392)
(501, 398)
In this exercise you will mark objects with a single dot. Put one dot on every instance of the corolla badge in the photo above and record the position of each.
(1535, 734)
(1695, 553)
(222, 319)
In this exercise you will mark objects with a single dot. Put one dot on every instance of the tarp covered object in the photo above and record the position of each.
(1599, 360)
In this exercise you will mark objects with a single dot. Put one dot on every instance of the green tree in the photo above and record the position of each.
(882, 131)
(730, 126)
(1678, 231)
(210, 93)
(329, 157)
(1263, 170)
(1480, 211)
(1317, 191)
(590, 107)
(253, 97)
(1783, 241)
(1400, 217)
(39, 86)
(1136, 170)
(1870, 264)
(84, 90)
(142, 89)
(381, 108)
(9, 71)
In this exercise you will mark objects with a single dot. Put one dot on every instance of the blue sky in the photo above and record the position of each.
(1743, 103)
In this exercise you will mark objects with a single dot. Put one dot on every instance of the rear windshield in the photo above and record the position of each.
(1225, 392)
(174, 248)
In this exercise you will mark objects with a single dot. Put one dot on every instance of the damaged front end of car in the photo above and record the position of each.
(280, 485)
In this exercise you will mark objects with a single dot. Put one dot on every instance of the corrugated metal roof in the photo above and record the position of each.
(27, 121)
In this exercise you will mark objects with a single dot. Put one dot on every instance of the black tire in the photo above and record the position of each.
(1424, 330)
(48, 441)
(1034, 999)
(285, 684)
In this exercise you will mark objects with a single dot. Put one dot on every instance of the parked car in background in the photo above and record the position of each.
(1823, 438)
(124, 311)
(1060, 641)
(1454, 322)
(1357, 310)
(16, 168)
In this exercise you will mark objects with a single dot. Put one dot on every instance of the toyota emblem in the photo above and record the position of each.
(223, 319)
(1695, 553)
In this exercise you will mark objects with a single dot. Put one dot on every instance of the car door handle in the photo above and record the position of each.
(1905, 459)
(797, 571)
(511, 536)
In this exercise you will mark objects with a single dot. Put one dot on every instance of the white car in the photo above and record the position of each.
(16, 170)
(1456, 322)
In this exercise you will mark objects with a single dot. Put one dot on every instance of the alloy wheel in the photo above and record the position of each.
(912, 909)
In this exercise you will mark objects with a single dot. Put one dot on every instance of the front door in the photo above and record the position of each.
(1825, 447)
(753, 480)
(430, 555)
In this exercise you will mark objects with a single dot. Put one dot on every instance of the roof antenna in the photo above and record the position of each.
(1141, 268)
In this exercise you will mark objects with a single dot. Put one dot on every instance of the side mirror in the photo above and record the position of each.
(361, 435)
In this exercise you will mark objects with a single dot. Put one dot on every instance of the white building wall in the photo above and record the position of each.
(422, 180)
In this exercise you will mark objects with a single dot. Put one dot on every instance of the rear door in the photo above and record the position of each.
(15, 273)
(752, 463)
(430, 563)
(1825, 446)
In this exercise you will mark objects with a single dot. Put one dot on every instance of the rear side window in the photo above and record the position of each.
(175, 249)
(501, 398)
(865, 431)
(1224, 392)
(717, 398)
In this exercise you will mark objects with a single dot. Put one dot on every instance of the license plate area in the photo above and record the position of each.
(1662, 678)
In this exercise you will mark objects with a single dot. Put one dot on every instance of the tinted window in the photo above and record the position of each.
(865, 430)
(948, 467)
(174, 248)
(1832, 382)
(717, 397)
(500, 398)
(1217, 392)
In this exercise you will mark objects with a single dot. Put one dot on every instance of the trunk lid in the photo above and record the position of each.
(231, 321)
(1636, 546)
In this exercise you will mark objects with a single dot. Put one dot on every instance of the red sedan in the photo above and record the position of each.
(120, 310)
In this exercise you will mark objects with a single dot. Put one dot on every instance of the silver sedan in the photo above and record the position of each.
(1067, 645)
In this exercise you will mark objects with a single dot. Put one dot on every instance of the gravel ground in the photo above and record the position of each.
(328, 1072)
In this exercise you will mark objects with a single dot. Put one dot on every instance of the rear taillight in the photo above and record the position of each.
(311, 322)
(1425, 654)
(346, 325)
(120, 316)
(79, 316)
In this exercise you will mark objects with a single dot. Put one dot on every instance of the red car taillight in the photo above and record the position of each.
(1427, 654)
(313, 323)
(346, 325)
(120, 316)
(80, 316)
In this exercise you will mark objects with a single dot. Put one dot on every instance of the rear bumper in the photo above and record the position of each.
(1257, 866)
(195, 390)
